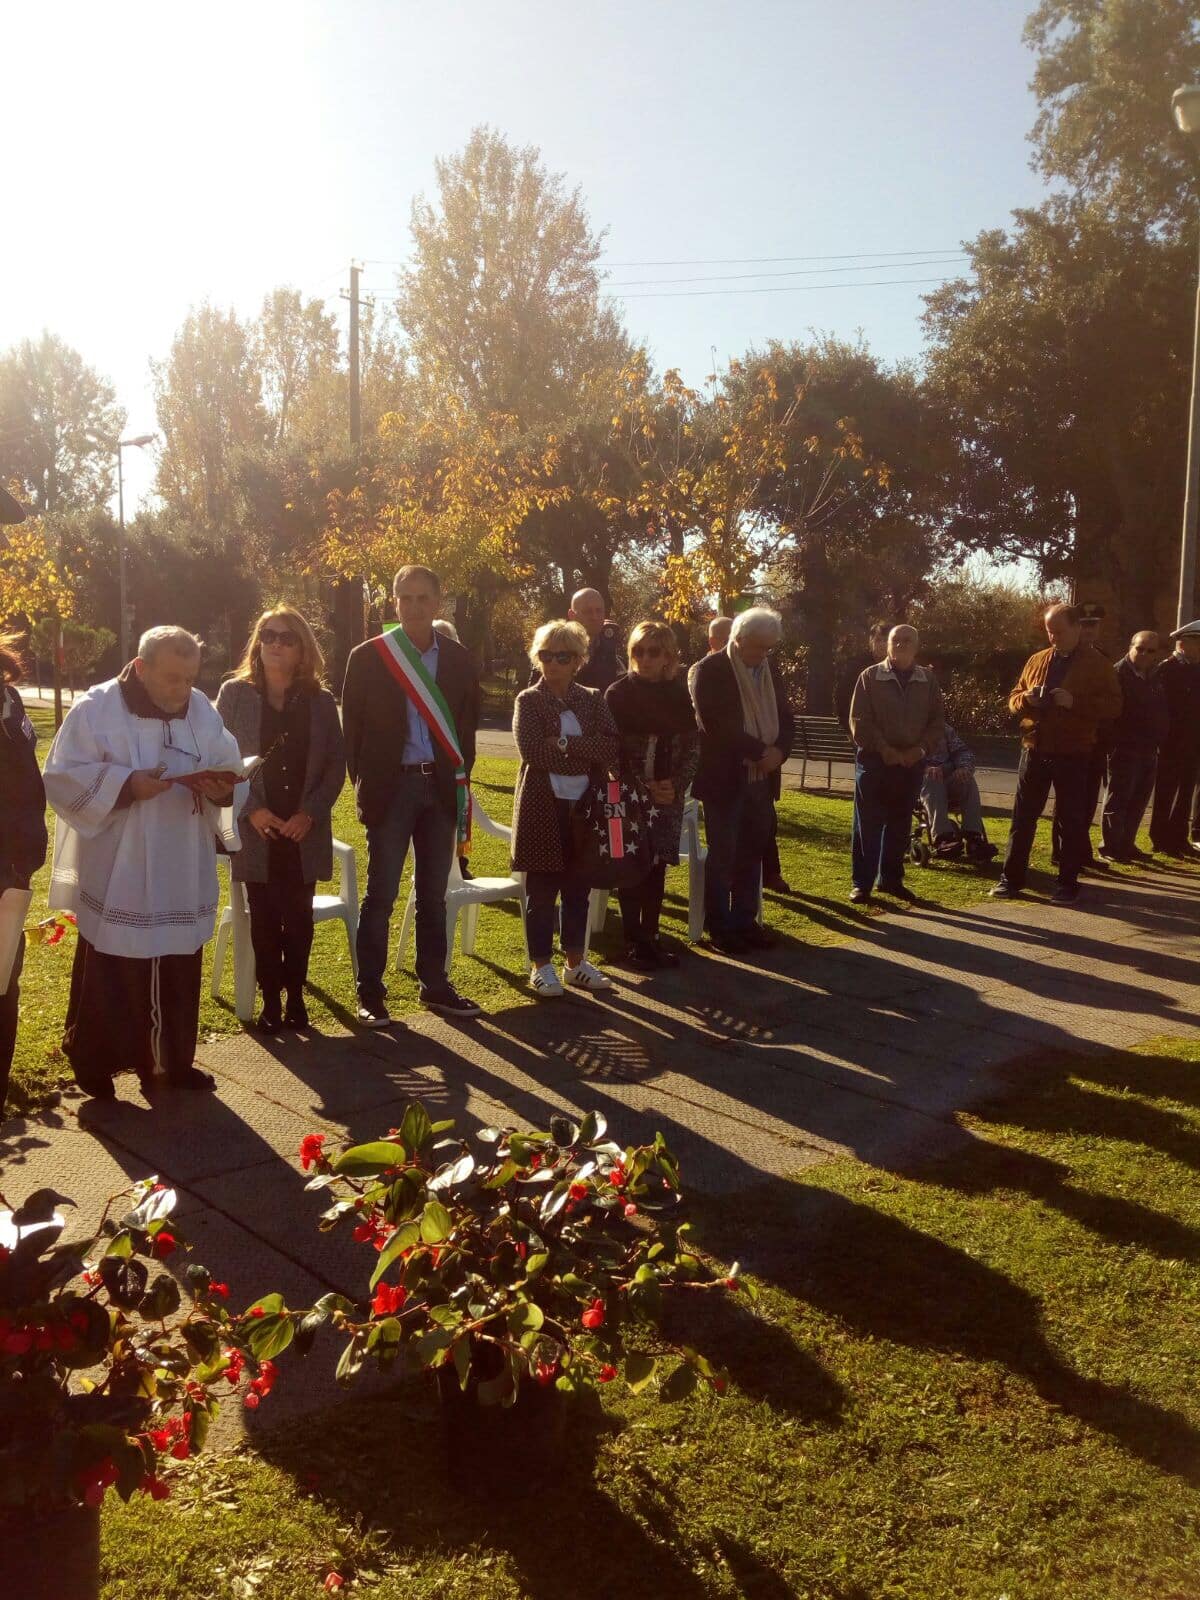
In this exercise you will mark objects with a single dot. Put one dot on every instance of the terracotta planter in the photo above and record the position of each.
(53, 1555)
(501, 1452)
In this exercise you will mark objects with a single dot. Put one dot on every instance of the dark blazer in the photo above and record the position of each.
(536, 841)
(22, 796)
(1180, 679)
(375, 722)
(240, 705)
(1145, 718)
(725, 746)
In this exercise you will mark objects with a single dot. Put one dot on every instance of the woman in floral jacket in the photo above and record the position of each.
(563, 732)
(660, 747)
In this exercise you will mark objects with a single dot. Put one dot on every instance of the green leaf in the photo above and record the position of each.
(415, 1126)
(536, 1263)
(351, 1359)
(553, 1201)
(201, 1422)
(403, 1239)
(121, 1244)
(639, 1369)
(124, 1280)
(461, 1351)
(161, 1299)
(268, 1336)
(436, 1223)
(525, 1317)
(593, 1127)
(267, 1303)
(156, 1207)
(369, 1160)
(564, 1132)
(503, 1174)
(431, 1347)
(457, 1172)
(441, 1127)
(680, 1384)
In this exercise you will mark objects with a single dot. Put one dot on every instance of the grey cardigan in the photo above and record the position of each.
(240, 705)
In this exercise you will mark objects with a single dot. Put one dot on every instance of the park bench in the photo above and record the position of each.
(820, 739)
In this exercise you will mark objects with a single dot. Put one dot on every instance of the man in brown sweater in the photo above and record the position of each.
(1062, 696)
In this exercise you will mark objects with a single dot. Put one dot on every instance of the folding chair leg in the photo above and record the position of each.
(352, 941)
(451, 926)
(470, 921)
(220, 949)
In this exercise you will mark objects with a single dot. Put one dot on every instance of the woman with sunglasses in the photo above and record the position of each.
(563, 732)
(660, 746)
(276, 707)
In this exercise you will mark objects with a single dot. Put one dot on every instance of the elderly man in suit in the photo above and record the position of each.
(409, 708)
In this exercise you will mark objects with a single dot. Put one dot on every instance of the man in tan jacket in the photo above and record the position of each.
(1062, 696)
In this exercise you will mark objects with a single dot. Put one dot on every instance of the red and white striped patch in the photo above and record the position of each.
(616, 823)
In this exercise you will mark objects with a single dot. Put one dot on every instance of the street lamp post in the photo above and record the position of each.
(124, 444)
(1185, 106)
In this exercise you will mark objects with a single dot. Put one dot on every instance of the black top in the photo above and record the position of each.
(725, 746)
(284, 742)
(1144, 719)
(22, 796)
(1180, 679)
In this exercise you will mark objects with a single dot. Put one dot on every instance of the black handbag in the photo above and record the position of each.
(610, 830)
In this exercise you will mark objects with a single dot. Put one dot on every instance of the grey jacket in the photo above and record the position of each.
(240, 705)
(885, 711)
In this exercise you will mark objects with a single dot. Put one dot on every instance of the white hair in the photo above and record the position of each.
(446, 629)
(167, 637)
(759, 622)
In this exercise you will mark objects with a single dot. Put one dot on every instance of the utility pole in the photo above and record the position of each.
(355, 364)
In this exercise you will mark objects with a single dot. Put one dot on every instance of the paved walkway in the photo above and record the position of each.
(752, 1071)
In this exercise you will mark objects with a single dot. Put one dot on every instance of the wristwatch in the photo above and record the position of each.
(562, 743)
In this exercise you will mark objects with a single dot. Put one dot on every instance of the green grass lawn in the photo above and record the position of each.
(969, 1379)
(814, 839)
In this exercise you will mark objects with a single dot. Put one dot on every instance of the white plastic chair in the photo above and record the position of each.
(235, 919)
(466, 895)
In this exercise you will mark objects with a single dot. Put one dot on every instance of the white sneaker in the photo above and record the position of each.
(544, 981)
(586, 976)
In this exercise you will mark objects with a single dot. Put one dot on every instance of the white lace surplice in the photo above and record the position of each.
(141, 880)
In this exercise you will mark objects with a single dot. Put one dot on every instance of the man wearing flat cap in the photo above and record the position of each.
(1179, 756)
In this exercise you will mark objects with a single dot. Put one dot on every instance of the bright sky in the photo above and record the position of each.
(161, 154)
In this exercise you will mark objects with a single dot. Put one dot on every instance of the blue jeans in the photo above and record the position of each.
(884, 800)
(738, 829)
(415, 816)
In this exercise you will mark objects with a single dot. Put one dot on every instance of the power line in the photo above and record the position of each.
(793, 272)
(750, 261)
(781, 288)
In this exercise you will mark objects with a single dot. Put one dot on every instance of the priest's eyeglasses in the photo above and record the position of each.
(182, 749)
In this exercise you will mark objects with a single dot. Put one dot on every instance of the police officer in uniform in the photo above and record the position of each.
(605, 662)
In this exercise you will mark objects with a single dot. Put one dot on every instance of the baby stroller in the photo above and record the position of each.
(921, 849)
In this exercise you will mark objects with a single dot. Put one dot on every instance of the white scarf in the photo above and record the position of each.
(760, 712)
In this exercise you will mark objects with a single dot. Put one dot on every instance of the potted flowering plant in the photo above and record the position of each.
(108, 1371)
(518, 1268)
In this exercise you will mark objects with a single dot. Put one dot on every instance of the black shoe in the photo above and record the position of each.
(663, 956)
(97, 1088)
(1113, 859)
(728, 944)
(949, 848)
(374, 1015)
(1065, 895)
(900, 892)
(268, 1022)
(464, 869)
(296, 1015)
(640, 957)
(860, 897)
(1144, 856)
(777, 884)
(193, 1078)
(450, 1003)
(980, 849)
(756, 937)
(1004, 891)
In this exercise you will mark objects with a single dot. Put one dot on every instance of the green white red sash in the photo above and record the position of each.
(403, 661)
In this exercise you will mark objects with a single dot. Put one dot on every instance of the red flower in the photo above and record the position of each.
(618, 1177)
(95, 1479)
(719, 1385)
(535, 1161)
(389, 1299)
(630, 1209)
(69, 916)
(607, 1373)
(731, 1283)
(257, 1311)
(251, 1401)
(578, 1191)
(160, 1438)
(265, 1382)
(53, 937)
(18, 1342)
(181, 1450)
(310, 1149)
(156, 1488)
(593, 1317)
(164, 1244)
(334, 1581)
(219, 1288)
(545, 1372)
(236, 1362)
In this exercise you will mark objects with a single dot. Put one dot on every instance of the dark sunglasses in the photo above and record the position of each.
(650, 650)
(562, 657)
(1145, 649)
(283, 636)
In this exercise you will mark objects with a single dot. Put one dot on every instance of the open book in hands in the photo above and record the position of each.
(225, 777)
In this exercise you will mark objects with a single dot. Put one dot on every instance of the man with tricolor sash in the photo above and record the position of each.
(408, 712)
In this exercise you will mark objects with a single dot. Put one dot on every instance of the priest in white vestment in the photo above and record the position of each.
(131, 779)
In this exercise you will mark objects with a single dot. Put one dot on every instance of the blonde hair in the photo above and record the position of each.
(310, 669)
(658, 633)
(559, 635)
